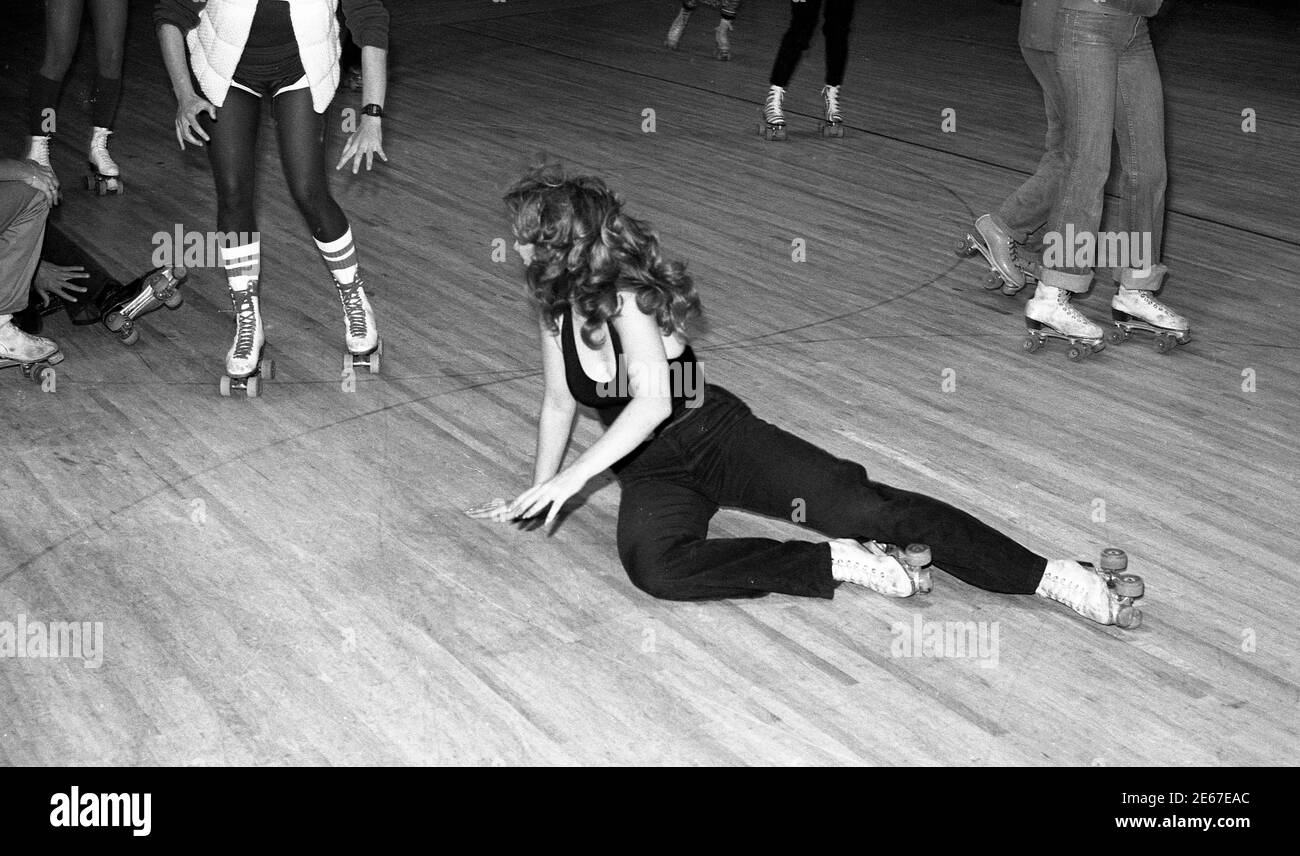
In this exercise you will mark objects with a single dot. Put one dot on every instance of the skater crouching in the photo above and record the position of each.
(612, 317)
(27, 191)
(287, 53)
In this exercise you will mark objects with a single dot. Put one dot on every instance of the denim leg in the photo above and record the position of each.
(1140, 131)
(1028, 208)
(23, 212)
(1087, 55)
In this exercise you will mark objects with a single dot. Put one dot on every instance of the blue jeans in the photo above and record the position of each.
(1029, 207)
(721, 455)
(1111, 87)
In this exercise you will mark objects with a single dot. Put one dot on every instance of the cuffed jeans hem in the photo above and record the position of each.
(1068, 280)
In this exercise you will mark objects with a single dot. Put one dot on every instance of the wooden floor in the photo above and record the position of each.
(291, 580)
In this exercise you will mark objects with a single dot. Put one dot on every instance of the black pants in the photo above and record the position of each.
(803, 22)
(723, 455)
(233, 155)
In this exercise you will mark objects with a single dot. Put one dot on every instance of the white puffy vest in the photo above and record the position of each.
(217, 43)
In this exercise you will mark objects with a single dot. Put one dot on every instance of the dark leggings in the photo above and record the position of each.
(232, 152)
(62, 32)
(724, 456)
(803, 22)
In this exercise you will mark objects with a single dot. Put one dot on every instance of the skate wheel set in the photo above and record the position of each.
(250, 384)
(1127, 587)
(103, 185)
(831, 129)
(1165, 340)
(368, 360)
(160, 287)
(1039, 333)
(916, 559)
(37, 371)
(771, 132)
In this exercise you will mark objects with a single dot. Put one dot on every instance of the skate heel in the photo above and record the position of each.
(368, 360)
(102, 184)
(38, 371)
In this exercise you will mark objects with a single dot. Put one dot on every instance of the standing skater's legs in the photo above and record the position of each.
(678, 26)
(302, 154)
(62, 31)
(1140, 132)
(232, 152)
(109, 17)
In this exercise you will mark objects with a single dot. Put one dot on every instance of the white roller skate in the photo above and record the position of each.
(244, 361)
(676, 29)
(723, 37)
(833, 125)
(773, 127)
(1105, 594)
(1138, 309)
(104, 177)
(361, 334)
(873, 566)
(1049, 315)
(34, 355)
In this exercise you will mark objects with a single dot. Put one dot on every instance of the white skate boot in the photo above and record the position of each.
(723, 37)
(1138, 309)
(833, 126)
(244, 360)
(1105, 595)
(361, 334)
(676, 29)
(104, 177)
(34, 355)
(1049, 315)
(870, 566)
(773, 127)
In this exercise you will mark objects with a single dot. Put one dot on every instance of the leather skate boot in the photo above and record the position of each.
(871, 567)
(1002, 248)
(23, 347)
(246, 350)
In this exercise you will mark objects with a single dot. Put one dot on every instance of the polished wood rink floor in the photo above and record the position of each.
(291, 580)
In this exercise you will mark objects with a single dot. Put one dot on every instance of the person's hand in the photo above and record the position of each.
(367, 141)
(187, 119)
(42, 178)
(553, 492)
(56, 281)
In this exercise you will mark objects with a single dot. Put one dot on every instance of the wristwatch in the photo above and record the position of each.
(373, 110)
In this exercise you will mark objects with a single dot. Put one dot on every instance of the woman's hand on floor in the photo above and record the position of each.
(553, 492)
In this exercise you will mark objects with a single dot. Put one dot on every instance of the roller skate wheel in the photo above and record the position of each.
(966, 247)
(131, 337)
(114, 321)
(253, 386)
(1129, 617)
(174, 300)
(1113, 559)
(347, 362)
(1129, 585)
(992, 282)
(1076, 354)
(1032, 343)
(1164, 344)
(225, 386)
(917, 555)
(119, 188)
(90, 182)
(374, 362)
(1117, 336)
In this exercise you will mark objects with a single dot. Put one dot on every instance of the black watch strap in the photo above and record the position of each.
(373, 110)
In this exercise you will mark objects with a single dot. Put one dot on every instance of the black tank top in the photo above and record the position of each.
(271, 52)
(609, 398)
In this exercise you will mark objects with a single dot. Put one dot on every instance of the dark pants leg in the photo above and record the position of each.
(725, 456)
(836, 27)
(803, 23)
(232, 152)
(301, 132)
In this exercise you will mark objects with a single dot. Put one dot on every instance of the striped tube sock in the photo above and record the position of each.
(243, 265)
(341, 258)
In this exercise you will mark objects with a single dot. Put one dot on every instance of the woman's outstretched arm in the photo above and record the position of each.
(559, 408)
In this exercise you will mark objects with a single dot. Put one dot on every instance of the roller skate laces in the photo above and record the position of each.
(1051, 306)
(1144, 306)
(358, 317)
(831, 98)
(39, 151)
(245, 351)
